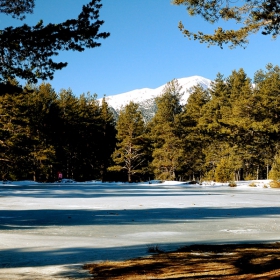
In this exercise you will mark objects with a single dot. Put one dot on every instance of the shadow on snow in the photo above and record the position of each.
(38, 218)
(32, 257)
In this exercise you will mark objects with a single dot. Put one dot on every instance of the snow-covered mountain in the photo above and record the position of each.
(145, 97)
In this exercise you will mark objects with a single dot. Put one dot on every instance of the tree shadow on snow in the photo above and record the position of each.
(32, 257)
(99, 190)
(40, 218)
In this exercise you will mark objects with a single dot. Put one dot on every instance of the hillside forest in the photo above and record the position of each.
(230, 131)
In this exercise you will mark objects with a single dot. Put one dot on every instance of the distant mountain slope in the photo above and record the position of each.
(145, 97)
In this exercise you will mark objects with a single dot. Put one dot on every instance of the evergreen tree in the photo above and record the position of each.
(27, 152)
(237, 118)
(228, 131)
(43, 133)
(27, 51)
(129, 154)
(12, 135)
(79, 144)
(210, 121)
(254, 16)
(210, 126)
(41, 111)
(225, 170)
(194, 140)
(274, 173)
(165, 133)
(85, 152)
(107, 138)
(266, 112)
(67, 133)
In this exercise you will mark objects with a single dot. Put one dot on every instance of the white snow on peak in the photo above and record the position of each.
(140, 95)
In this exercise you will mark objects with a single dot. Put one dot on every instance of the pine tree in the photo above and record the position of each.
(85, 152)
(266, 113)
(225, 170)
(237, 118)
(12, 133)
(67, 133)
(107, 138)
(165, 133)
(43, 133)
(226, 120)
(210, 121)
(27, 149)
(27, 51)
(40, 110)
(210, 126)
(193, 139)
(253, 16)
(76, 134)
(274, 173)
(129, 154)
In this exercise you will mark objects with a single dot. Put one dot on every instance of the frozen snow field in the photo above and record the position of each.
(47, 231)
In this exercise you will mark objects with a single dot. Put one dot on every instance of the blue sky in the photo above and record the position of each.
(145, 49)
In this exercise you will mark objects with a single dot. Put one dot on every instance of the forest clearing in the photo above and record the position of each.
(50, 231)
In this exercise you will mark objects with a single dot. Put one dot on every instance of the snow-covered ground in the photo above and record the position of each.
(139, 95)
(47, 231)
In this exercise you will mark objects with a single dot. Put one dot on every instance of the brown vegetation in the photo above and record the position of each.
(197, 262)
(232, 184)
(274, 184)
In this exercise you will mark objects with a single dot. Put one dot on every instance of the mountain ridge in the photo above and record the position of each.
(145, 97)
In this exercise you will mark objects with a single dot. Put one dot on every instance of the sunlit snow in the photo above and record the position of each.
(140, 95)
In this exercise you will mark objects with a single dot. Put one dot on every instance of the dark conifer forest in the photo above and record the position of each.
(228, 132)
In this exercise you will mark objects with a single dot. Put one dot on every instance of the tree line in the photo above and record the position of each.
(229, 131)
(42, 133)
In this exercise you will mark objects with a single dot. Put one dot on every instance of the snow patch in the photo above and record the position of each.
(158, 234)
(237, 231)
(141, 95)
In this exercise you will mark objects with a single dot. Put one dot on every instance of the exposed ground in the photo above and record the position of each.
(258, 261)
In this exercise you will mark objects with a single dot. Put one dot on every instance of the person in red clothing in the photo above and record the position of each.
(59, 176)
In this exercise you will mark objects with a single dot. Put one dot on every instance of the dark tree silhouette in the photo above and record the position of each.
(252, 15)
(27, 51)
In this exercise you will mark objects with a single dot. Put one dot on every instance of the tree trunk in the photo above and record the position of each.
(267, 171)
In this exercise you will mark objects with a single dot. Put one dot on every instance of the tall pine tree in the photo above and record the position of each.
(165, 133)
(194, 140)
(129, 155)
